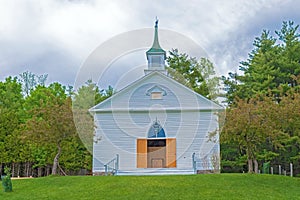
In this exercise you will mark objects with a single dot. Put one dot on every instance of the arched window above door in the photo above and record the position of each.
(156, 130)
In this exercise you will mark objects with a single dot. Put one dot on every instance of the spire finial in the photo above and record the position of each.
(156, 22)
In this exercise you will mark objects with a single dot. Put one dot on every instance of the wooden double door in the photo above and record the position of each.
(156, 153)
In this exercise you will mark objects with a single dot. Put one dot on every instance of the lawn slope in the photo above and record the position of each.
(211, 186)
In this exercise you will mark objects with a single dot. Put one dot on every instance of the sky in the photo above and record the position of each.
(58, 37)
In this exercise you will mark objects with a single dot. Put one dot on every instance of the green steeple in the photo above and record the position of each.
(156, 49)
(156, 56)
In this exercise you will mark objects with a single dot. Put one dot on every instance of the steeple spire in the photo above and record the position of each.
(155, 46)
(156, 56)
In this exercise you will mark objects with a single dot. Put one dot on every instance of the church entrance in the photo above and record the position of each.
(156, 153)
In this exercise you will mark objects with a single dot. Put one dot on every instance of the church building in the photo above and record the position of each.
(155, 125)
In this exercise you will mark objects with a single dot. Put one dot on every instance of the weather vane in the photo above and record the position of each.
(156, 21)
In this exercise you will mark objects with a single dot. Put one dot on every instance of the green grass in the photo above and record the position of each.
(210, 186)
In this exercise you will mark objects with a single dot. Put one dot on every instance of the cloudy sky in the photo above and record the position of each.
(56, 37)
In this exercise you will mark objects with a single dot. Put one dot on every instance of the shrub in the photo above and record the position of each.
(6, 180)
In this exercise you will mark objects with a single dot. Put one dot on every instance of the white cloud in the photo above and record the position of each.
(77, 27)
(53, 36)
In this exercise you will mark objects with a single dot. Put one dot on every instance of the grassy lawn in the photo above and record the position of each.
(211, 186)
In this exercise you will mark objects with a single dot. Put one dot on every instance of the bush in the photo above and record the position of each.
(6, 180)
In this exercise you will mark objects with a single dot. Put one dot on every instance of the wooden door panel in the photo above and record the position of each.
(156, 155)
(171, 152)
(141, 153)
(157, 163)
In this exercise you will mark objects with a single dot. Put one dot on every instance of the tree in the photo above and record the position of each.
(251, 124)
(272, 64)
(37, 129)
(289, 61)
(29, 81)
(11, 112)
(39, 154)
(51, 119)
(199, 75)
(86, 97)
(272, 73)
(264, 130)
(289, 123)
(77, 158)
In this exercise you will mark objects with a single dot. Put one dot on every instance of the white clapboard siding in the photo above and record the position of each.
(120, 138)
(128, 115)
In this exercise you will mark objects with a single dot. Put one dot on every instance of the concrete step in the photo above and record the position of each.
(155, 171)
